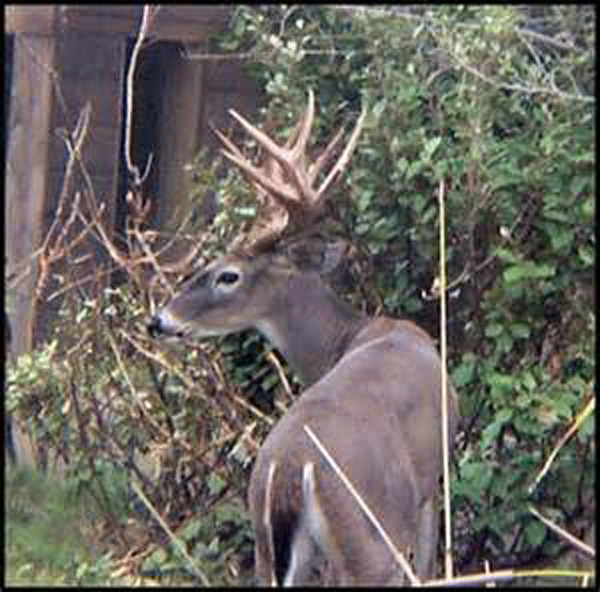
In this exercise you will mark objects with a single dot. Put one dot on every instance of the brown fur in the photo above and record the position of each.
(377, 412)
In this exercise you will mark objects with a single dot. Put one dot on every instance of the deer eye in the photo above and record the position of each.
(227, 278)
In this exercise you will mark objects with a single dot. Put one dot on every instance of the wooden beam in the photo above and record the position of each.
(177, 137)
(30, 19)
(26, 174)
(174, 22)
(26, 186)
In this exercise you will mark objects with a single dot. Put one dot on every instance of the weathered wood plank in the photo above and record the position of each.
(26, 186)
(30, 19)
(97, 59)
(100, 151)
(176, 22)
(177, 136)
(26, 175)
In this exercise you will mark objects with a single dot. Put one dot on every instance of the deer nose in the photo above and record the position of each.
(164, 324)
(154, 326)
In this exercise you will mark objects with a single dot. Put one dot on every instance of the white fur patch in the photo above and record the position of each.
(267, 522)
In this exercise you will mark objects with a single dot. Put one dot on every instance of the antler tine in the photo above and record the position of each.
(324, 157)
(291, 159)
(302, 123)
(229, 145)
(256, 175)
(342, 162)
(232, 152)
(271, 147)
(304, 127)
(284, 182)
(275, 217)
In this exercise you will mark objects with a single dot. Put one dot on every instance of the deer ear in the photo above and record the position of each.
(315, 254)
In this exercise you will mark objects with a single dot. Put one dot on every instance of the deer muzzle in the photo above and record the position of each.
(164, 324)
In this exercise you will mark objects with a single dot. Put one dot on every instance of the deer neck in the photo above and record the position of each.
(311, 327)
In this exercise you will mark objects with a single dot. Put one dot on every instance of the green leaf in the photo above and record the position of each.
(558, 215)
(578, 184)
(528, 270)
(402, 165)
(489, 434)
(535, 532)
(463, 374)
(378, 109)
(364, 199)
(270, 381)
(561, 238)
(588, 207)
(215, 484)
(528, 380)
(515, 273)
(430, 147)
(586, 254)
(478, 474)
(543, 271)
(562, 408)
(502, 383)
(191, 530)
(413, 169)
(504, 415)
(506, 255)
(155, 560)
(493, 330)
(520, 330)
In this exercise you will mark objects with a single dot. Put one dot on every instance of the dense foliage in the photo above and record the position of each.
(498, 103)
(493, 102)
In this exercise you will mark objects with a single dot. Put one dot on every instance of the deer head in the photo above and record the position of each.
(249, 285)
(374, 384)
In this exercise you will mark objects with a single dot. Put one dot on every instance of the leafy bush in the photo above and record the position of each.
(116, 418)
(497, 102)
(45, 534)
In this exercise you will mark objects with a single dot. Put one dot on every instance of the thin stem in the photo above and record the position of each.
(398, 555)
(443, 353)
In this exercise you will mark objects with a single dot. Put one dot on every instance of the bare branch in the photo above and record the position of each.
(578, 545)
(148, 15)
(398, 555)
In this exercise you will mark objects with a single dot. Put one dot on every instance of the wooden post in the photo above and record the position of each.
(177, 137)
(26, 174)
(26, 185)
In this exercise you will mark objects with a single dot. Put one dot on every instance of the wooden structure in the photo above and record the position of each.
(62, 56)
(58, 58)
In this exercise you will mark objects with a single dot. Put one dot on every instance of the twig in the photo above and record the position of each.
(147, 16)
(47, 253)
(74, 143)
(152, 259)
(272, 359)
(545, 39)
(530, 90)
(580, 546)
(443, 353)
(487, 571)
(132, 389)
(589, 408)
(398, 555)
(507, 574)
(191, 385)
(174, 539)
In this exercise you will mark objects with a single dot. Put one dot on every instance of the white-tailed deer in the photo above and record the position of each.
(374, 386)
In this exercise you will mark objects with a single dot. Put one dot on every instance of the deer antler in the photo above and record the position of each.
(284, 182)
